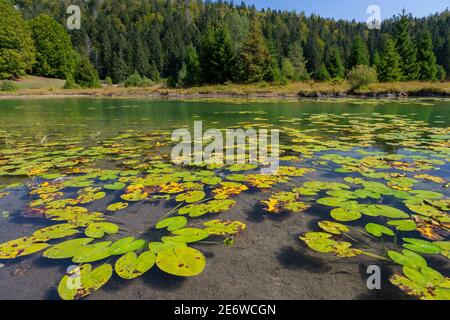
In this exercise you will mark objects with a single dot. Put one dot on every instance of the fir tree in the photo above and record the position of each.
(217, 55)
(254, 56)
(388, 64)
(359, 54)
(334, 64)
(406, 48)
(426, 58)
(298, 62)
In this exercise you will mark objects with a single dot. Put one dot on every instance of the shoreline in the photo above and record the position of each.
(291, 91)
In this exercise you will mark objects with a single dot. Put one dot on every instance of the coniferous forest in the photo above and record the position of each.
(191, 42)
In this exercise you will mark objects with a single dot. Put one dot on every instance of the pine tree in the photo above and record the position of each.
(254, 56)
(426, 58)
(315, 54)
(193, 71)
(323, 74)
(359, 54)
(388, 64)
(333, 63)
(406, 48)
(217, 55)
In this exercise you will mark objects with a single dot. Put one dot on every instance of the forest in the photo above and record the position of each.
(191, 42)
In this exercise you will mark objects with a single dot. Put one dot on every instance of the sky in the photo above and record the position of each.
(354, 9)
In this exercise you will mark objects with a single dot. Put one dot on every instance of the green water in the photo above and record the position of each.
(56, 154)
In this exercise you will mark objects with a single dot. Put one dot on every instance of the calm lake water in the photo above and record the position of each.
(57, 154)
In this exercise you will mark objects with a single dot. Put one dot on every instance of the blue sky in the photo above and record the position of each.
(353, 9)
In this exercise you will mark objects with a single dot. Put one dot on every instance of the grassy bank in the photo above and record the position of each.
(35, 86)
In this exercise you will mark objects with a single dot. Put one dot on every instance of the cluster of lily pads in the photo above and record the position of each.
(397, 195)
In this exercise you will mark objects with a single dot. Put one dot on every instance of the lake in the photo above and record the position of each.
(91, 205)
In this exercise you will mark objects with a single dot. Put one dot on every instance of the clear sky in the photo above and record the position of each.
(353, 9)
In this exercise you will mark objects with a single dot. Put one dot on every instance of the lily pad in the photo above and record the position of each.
(172, 223)
(378, 230)
(82, 281)
(98, 230)
(333, 227)
(130, 266)
(117, 206)
(67, 249)
(421, 246)
(341, 214)
(126, 245)
(181, 261)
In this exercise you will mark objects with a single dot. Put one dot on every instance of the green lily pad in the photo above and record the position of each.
(378, 230)
(421, 246)
(224, 227)
(341, 214)
(130, 266)
(376, 210)
(187, 235)
(333, 227)
(407, 258)
(21, 247)
(56, 232)
(190, 196)
(157, 247)
(117, 206)
(66, 249)
(403, 225)
(181, 261)
(82, 281)
(172, 223)
(93, 252)
(126, 245)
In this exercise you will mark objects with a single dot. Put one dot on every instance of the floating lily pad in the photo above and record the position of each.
(66, 249)
(172, 223)
(181, 261)
(126, 245)
(115, 186)
(421, 246)
(117, 206)
(403, 225)
(191, 196)
(82, 281)
(130, 266)
(21, 247)
(341, 214)
(187, 235)
(98, 230)
(378, 230)
(56, 232)
(224, 227)
(333, 227)
(92, 252)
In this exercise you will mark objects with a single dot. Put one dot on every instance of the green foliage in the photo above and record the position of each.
(388, 64)
(133, 80)
(217, 55)
(193, 70)
(85, 74)
(17, 53)
(426, 58)
(362, 76)
(298, 60)
(333, 63)
(323, 74)
(441, 75)
(287, 69)
(254, 57)
(359, 53)
(7, 85)
(55, 56)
